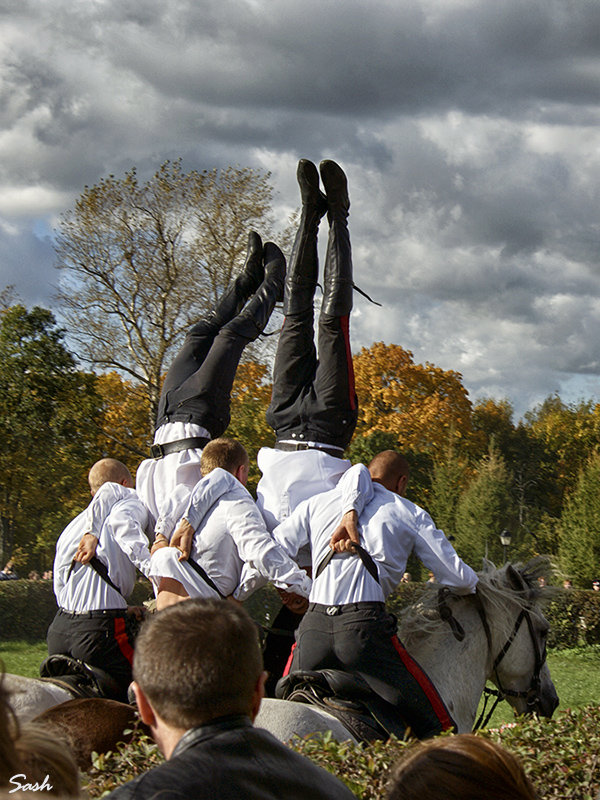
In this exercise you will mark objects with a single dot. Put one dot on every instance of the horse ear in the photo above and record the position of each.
(516, 579)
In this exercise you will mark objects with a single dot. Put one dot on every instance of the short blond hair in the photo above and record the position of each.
(226, 453)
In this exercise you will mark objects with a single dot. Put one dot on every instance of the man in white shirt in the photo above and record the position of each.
(194, 405)
(90, 624)
(227, 530)
(313, 408)
(347, 626)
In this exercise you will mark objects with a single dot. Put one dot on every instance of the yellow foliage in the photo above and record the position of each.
(423, 405)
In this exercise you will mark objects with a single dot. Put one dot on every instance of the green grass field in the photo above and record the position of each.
(576, 673)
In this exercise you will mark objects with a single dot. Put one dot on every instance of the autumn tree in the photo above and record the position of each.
(122, 424)
(250, 398)
(580, 527)
(141, 261)
(47, 434)
(566, 436)
(421, 404)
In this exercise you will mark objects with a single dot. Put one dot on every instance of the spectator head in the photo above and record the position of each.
(228, 454)
(197, 661)
(109, 470)
(461, 767)
(47, 760)
(391, 470)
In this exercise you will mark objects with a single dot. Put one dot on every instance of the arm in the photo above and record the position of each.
(438, 555)
(127, 523)
(260, 550)
(356, 487)
(96, 514)
(205, 494)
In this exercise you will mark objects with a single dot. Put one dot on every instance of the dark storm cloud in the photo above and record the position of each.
(469, 130)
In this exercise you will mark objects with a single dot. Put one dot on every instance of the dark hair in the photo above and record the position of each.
(461, 767)
(198, 660)
(226, 453)
(9, 759)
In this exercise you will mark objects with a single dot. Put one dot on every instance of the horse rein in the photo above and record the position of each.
(532, 693)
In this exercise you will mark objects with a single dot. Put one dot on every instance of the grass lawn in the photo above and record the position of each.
(576, 673)
(23, 658)
(576, 676)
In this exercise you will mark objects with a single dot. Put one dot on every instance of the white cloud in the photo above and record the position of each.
(469, 131)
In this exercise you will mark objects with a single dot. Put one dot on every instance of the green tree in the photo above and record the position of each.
(580, 527)
(140, 262)
(47, 433)
(484, 510)
(448, 478)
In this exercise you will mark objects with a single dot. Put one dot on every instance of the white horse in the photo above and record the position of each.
(498, 634)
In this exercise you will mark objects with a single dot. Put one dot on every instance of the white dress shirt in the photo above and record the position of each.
(288, 478)
(165, 484)
(229, 532)
(118, 518)
(391, 527)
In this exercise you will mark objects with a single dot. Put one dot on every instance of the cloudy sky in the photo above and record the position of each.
(469, 130)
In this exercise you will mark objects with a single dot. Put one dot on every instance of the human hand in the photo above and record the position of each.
(86, 549)
(295, 602)
(346, 535)
(159, 541)
(182, 539)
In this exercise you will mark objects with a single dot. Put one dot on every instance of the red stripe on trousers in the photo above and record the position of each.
(426, 685)
(345, 324)
(288, 666)
(122, 639)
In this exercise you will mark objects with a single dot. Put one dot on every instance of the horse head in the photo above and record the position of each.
(516, 630)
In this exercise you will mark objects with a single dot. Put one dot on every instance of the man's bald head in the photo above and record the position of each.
(109, 469)
(391, 470)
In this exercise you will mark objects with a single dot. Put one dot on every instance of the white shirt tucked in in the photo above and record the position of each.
(118, 518)
(391, 527)
(229, 531)
(165, 484)
(288, 478)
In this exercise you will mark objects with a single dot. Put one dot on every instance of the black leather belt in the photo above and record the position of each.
(345, 608)
(161, 450)
(96, 614)
(294, 446)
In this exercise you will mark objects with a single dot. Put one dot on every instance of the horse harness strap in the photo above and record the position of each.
(364, 556)
(501, 693)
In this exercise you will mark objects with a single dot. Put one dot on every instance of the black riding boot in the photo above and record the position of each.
(253, 319)
(337, 281)
(303, 269)
(246, 283)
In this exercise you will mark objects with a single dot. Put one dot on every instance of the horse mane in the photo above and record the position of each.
(516, 582)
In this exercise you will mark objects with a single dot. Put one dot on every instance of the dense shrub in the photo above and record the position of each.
(560, 757)
(28, 607)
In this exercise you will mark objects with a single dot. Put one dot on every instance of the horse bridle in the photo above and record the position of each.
(532, 693)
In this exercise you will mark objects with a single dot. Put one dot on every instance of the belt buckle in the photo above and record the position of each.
(157, 451)
(332, 611)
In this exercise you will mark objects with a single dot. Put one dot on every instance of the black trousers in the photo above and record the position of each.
(197, 387)
(98, 638)
(314, 399)
(361, 637)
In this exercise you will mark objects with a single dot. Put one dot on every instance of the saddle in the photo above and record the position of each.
(78, 678)
(346, 696)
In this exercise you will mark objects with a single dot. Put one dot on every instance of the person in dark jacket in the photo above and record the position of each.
(198, 682)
